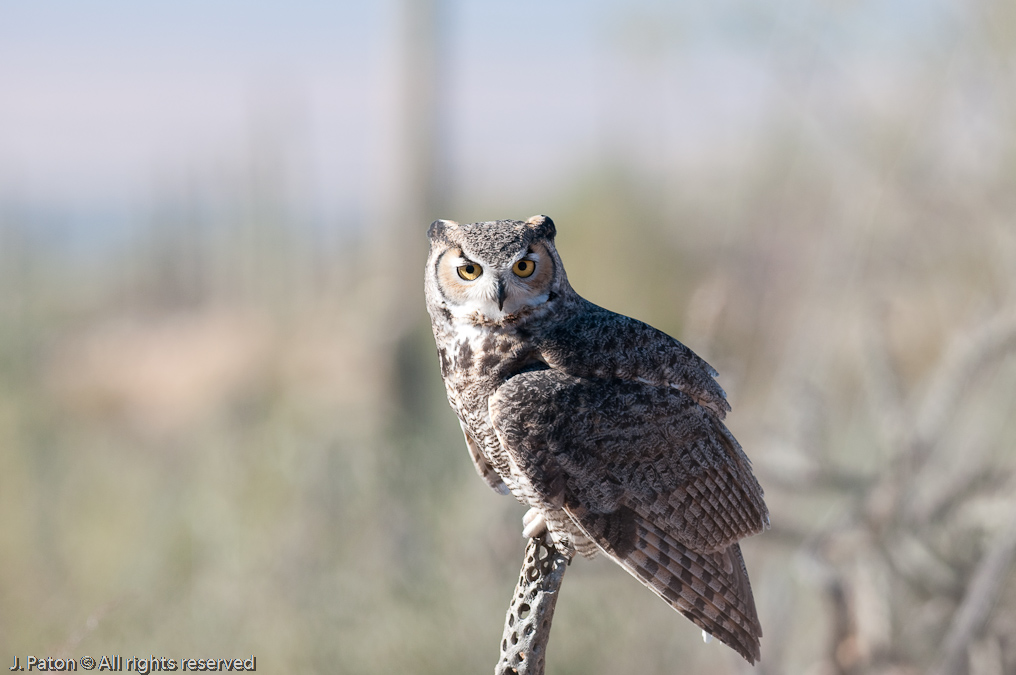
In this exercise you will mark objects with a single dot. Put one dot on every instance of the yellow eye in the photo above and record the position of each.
(524, 268)
(469, 271)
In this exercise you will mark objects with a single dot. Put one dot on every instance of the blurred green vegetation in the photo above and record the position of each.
(214, 443)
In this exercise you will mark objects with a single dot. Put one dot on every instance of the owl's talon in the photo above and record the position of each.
(533, 524)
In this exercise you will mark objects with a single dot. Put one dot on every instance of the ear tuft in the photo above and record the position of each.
(543, 223)
(437, 228)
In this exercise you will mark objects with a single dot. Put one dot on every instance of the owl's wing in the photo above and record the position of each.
(609, 443)
(658, 483)
(596, 342)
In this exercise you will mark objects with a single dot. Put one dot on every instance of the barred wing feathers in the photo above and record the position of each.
(653, 478)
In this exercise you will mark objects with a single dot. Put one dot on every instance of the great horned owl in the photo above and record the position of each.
(608, 429)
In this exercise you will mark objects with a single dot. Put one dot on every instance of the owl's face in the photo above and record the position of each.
(492, 271)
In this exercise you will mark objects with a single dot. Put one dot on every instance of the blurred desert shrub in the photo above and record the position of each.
(213, 444)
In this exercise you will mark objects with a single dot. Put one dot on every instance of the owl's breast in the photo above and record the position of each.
(474, 362)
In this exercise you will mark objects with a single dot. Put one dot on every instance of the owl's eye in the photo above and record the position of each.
(524, 268)
(469, 271)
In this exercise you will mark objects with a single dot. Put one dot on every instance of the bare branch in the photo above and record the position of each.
(527, 624)
(965, 359)
(964, 483)
(979, 599)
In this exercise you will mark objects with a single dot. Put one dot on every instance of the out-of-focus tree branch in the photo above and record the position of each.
(979, 599)
(965, 360)
(895, 542)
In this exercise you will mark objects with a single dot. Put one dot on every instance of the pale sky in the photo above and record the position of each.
(102, 101)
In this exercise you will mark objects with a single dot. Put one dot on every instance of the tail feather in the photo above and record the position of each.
(712, 590)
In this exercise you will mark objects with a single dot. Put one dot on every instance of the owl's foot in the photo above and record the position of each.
(533, 524)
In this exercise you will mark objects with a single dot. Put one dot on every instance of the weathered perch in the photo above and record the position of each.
(527, 624)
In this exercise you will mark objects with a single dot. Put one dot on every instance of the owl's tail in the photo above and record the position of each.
(710, 589)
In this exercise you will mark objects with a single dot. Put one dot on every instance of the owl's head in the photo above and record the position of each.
(494, 270)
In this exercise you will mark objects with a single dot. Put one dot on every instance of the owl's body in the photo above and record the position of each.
(609, 429)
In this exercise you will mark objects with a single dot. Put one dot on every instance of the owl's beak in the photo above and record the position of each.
(500, 294)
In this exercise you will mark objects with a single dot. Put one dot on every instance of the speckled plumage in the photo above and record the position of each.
(608, 428)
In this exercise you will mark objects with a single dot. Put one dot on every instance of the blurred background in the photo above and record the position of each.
(222, 426)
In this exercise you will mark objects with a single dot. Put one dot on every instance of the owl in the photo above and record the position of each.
(609, 430)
